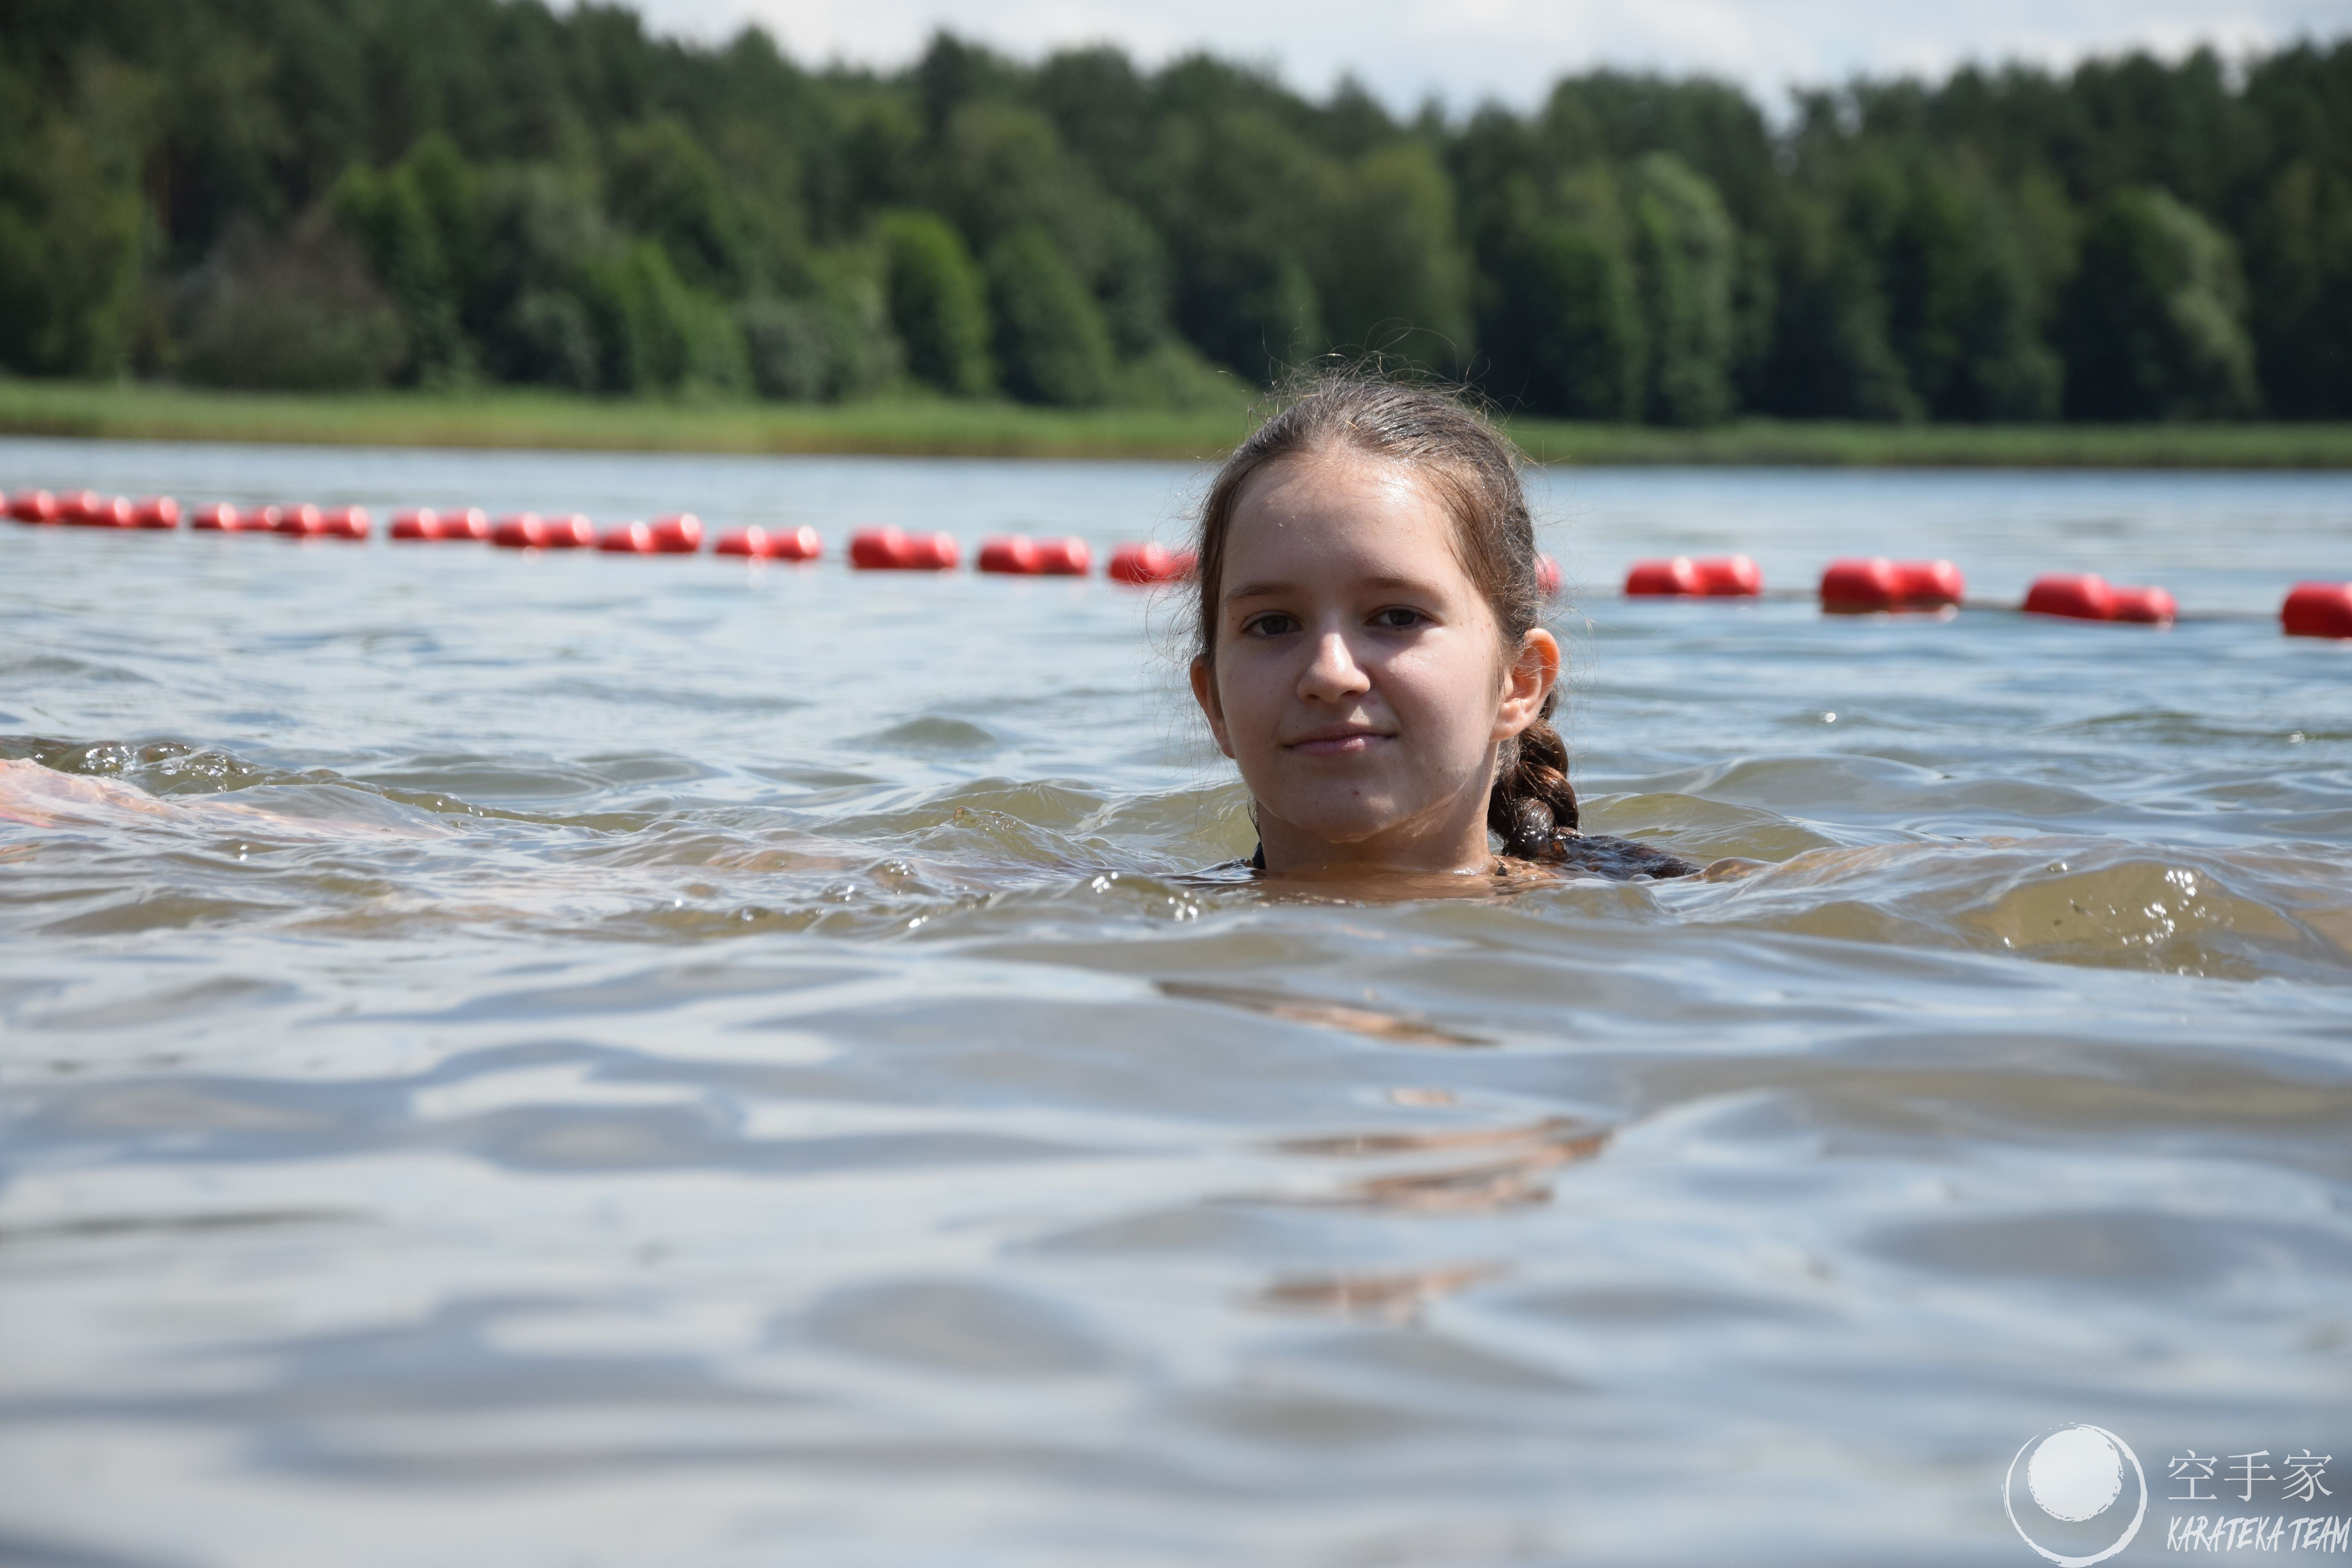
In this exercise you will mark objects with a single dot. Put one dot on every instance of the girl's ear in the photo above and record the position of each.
(1204, 693)
(1526, 682)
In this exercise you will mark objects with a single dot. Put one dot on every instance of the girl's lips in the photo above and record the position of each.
(1339, 744)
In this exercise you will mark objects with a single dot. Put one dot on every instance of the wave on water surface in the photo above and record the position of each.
(262, 845)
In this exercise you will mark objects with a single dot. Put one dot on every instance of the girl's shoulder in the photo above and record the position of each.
(1580, 855)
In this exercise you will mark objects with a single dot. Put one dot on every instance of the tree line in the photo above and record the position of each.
(315, 194)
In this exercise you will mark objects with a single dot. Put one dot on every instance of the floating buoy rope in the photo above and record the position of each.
(1849, 585)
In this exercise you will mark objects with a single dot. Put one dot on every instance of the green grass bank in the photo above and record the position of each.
(937, 428)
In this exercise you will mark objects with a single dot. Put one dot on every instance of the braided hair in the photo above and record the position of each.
(1474, 470)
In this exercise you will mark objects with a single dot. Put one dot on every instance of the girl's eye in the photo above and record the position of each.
(1273, 624)
(1397, 619)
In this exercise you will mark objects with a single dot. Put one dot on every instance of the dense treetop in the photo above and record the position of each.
(323, 193)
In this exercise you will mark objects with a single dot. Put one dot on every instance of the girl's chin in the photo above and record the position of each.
(1345, 829)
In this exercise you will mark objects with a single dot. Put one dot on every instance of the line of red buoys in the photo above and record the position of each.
(1849, 585)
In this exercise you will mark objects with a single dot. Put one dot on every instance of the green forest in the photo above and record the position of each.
(312, 195)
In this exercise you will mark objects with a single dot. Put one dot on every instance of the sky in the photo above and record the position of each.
(1467, 50)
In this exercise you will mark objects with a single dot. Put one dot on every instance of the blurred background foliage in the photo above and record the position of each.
(313, 194)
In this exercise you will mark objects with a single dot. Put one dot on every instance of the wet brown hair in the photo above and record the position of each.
(1474, 470)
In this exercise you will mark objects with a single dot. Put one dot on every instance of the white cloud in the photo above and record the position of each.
(1467, 49)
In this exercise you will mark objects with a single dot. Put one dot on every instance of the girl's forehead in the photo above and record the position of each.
(1338, 467)
(1340, 499)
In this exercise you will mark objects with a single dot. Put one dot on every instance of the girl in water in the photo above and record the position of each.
(1367, 649)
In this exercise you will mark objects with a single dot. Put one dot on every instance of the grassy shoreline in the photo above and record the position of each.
(547, 420)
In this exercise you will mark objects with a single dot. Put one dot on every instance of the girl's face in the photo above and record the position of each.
(1359, 677)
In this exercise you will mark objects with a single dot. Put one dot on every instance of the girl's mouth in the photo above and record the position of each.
(1336, 743)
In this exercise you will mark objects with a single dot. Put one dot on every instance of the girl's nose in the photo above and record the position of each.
(1333, 674)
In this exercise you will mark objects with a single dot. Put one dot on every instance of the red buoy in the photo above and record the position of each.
(1929, 585)
(156, 511)
(1012, 554)
(895, 549)
(880, 550)
(523, 531)
(1143, 565)
(1728, 577)
(771, 543)
(33, 506)
(1547, 576)
(324, 522)
(77, 506)
(256, 519)
(529, 530)
(678, 534)
(2317, 610)
(2079, 596)
(1065, 557)
(218, 517)
(663, 536)
(1857, 586)
(2149, 606)
(425, 523)
(1664, 578)
(87, 510)
(1861, 586)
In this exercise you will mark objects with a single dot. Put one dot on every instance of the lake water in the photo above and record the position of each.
(710, 1064)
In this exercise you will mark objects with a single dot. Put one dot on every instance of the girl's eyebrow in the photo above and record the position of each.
(1274, 590)
(1257, 591)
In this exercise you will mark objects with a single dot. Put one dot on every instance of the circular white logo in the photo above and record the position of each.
(2074, 1477)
